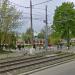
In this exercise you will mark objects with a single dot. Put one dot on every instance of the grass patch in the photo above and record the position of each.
(28, 46)
(5, 52)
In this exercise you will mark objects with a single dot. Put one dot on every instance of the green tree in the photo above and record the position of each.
(64, 21)
(9, 20)
(27, 36)
(41, 35)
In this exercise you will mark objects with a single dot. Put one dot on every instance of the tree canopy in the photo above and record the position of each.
(64, 21)
(9, 20)
(41, 35)
(64, 18)
(9, 16)
(27, 35)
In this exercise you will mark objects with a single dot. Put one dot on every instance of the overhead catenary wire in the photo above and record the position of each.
(29, 7)
(32, 18)
(41, 3)
(28, 13)
(32, 14)
(38, 14)
(32, 5)
(22, 17)
(18, 5)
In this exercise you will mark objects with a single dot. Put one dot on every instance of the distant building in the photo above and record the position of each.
(39, 42)
(20, 42)
(73, 40)
(65, 41)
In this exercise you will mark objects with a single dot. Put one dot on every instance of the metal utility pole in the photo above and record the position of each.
(31, 22)
(46, 29)
(68, 38)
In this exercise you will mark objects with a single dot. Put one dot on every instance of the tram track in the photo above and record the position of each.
(32, 62)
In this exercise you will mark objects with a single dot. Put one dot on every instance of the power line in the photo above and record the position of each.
(24, 6)
(38, 8)
(42, 3)
(32, 18)
(37, 13)
(32, 5)
(33, 8)
(37, 19)
(18, 5)
(32, 14)
(41, 9)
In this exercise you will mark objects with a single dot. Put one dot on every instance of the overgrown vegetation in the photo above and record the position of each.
(9, 21)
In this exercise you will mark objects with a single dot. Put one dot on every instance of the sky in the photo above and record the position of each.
(38, 13)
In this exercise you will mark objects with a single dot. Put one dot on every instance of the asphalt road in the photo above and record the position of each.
(64, 69)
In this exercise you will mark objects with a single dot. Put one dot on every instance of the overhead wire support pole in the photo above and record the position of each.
(46, 33)
(31, 23)
(68, 38)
